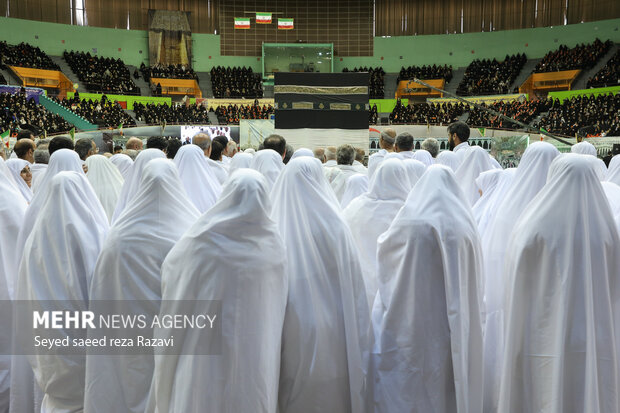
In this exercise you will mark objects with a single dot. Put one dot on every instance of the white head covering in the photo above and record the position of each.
(302, 152)
(562, 297)
(492, 193)
(56, 272)
(240, 160)
(449, 159)
(201, 185)
(430, 332)
(415, 170)
(129, 269)
(206, 265)
(327, 312)
(132, 182)
(269, 163)
(393, 155)
(218, 169)
(613, 170)
(475, 162)
(8, 175)
(423, 156)
(530, 177)
(123, 163)
(583, 148)
(106, 181)
(370, 214)
(37, 169)
(16, 166)
(355, 186)
(251, 151)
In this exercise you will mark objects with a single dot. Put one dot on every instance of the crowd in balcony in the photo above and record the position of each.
(103, 112)
(236, 82)
(101, 74)
(582, 56)
(156, 114)
(231, 114)
(376, 84)
(159, 70)
(522, 110)
(18, 112)
(25, 55)
(490, 76)
(609, 75)
(425, 113)
(425, 73)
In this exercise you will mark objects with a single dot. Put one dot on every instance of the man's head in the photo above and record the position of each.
(134, 143)
(41, 154)
(330, 153)
(404, 142)
(84, 148)
(319, 153)
(458, 132)
(216, 150)
(432, 146)
(387, 139)
(359, 154)
(345, 154)
(204, 142)
(231, 148)
(157, 142)
(173, 147)
(59, 142)
(25, 134)
(275, 142)
(24, 149)
(118, 149)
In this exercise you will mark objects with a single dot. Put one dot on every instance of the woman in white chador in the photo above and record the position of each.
(206, 264)
(56, 272)
(327, 312)
(355, 186)
(613, 171)
(269, 163)
(129, 269)
(201, 185)
(123, 162)
(476, 161)
(370, 214)
(17, 166)
(428, 354)
(493, 184)
(562, 296)
(106, 181)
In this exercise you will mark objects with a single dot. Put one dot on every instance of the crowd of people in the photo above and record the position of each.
(159, 70)
(582, 56)
(522, 110)
(425, 73)
(600, 115)
(231, 114)
(425, 113)
(101, 74)
(157, 114)
(25, 55)
(104, 112)
(427, 281)
(609, 75)
(373, 115)
(18, 112)
(236, 82)
(376, 85)
(490, 76)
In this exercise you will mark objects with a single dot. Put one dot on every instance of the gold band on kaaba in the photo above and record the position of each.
(322, 90)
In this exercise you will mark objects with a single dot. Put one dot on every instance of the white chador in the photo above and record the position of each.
(201, 185)
(370, 215)
(58, 262)
(234, 254)
(449, 159)
(415, 170)
(327, 311)
(613, 171)
(356, 186)
(428, 357)
(132, 182)
(106, 181)
(476, 161)
(123, 162)
(12, 210)
(562, 295)
(493, 184)
(129, 269)
(239, 161)
(530, 177)
(269, 163)
(16, 166)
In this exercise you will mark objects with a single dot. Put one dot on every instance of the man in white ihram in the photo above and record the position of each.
(386, 143)
(458, 139)
(345, 155)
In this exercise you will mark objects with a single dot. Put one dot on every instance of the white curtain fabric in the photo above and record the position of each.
(327, 312)
(269, 163)
(201, 185)
(132, 182)
(123, 163)
(16, 166)
(129, 269)
(530, 177)
(476, 161)
(234, 254)
(356, 186)
(57, 267)
(239, 161)
(370, 215)
(428, 357)
(106, 180)
(613, 170)
(562, 298)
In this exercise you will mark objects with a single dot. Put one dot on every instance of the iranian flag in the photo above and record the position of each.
(263, 18)
(242, 22)
(285, 24)
(4, 137)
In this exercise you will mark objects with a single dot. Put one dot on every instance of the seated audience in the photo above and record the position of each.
(102, 112)
(232, 113)
(490, 77)
(609, 75)
(18, 112)
(424, 113)
(425, 73)
(154, 114)
(25, 55)
(525, 112)
(101, 74)
(376, 85)
(237, 82)
(582, 56)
